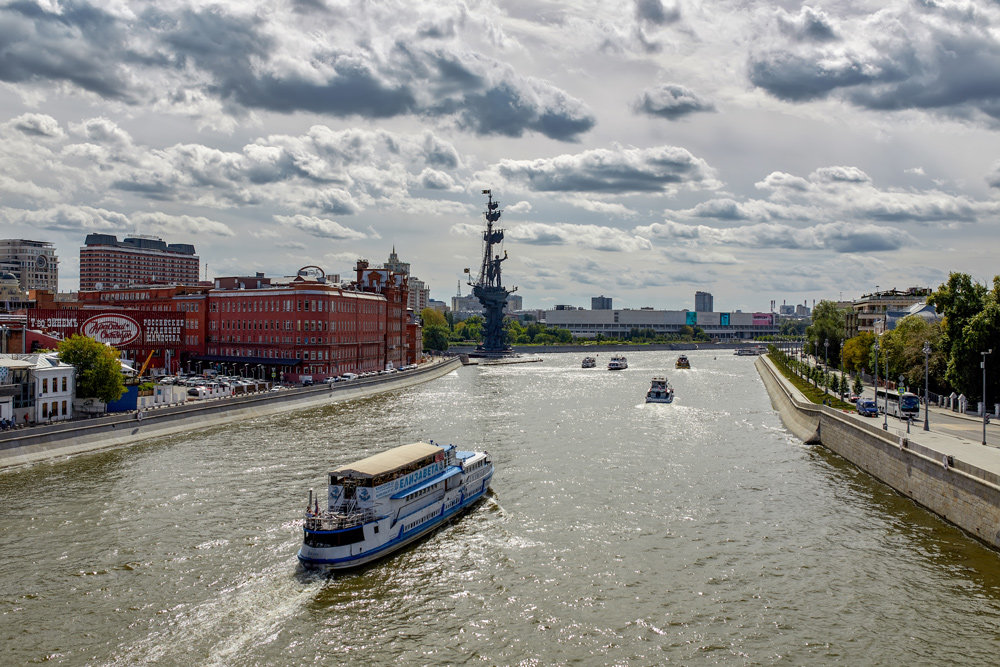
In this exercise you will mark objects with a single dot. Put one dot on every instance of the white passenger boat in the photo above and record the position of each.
(384, 502)
(618, 363)
(588, 362)
(660, 391)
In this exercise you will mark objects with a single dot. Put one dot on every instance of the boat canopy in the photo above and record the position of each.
(388, 461)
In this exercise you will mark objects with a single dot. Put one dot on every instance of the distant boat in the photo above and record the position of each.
(618, 363)
(588, 362)
(682, 362)
(660, 391)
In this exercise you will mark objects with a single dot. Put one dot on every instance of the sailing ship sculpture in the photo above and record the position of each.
(489, 288)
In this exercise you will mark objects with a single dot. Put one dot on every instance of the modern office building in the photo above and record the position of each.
(600, 302)
(33, 262)
(618, 323)
(107, 263)
(703, 302)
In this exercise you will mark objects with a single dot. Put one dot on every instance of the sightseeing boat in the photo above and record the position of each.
(660, 391)
(682, 362)
(381, 503)
(618, 363)
(588, 362)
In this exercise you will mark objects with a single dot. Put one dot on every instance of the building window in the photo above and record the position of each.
(64, 386)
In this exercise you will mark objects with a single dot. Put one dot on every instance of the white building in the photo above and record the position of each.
(40, 387)
(33, 262)
(618, 323)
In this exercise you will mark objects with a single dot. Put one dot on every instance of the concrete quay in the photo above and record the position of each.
(956, 478)
(40, 443)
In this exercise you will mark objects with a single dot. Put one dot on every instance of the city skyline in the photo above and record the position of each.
(756, 152)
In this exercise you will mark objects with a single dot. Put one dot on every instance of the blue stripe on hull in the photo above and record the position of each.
(395, 543)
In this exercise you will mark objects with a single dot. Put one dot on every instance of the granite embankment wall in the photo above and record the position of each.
(38, 443)
(964, 494)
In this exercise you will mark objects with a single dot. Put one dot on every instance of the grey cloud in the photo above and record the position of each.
(841, 237)
(671, 101)
(840, 175)
(939, 58)
(81, 44)
(624, 170)
(654, 12)
(73, 219)
(809, 25)
(38, 125)
(607, 239)
(993, 178)
(320, 227)
(780, 181)
(795, 78)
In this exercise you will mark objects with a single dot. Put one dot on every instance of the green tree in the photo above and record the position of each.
(472, 327)
(431, 317)
(856, 352)
(858, 385)
(435, 337)
(970, 323)
(828, 324)
(516, 334)
(98, 369)
(793, 328)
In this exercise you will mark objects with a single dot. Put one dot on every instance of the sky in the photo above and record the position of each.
(640, 150)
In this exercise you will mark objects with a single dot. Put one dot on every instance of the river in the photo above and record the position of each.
(617, 532)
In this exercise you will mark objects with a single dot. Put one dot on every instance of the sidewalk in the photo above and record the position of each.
(970, 451)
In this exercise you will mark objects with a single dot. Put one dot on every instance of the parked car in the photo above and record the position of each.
(350, 376)
(866, 407)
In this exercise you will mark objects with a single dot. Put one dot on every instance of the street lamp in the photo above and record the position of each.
(985, 418)
(885, 419)
(826, 363)
(927, 356)
(876, 378)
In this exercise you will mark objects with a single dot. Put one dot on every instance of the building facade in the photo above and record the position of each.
(703, 302)
(275, 329)
(41, 388)
(418, 293)
(600, 302)
(106, 262)
(34, 263)
(870, 311)
(618, 323)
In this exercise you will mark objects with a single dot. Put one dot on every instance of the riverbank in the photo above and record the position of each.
(40, 443)
(957, 479)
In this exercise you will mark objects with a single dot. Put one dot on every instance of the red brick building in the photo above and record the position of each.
(106, 262)
(271, 328)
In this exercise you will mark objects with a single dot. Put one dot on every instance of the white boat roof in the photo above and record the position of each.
(387, 461)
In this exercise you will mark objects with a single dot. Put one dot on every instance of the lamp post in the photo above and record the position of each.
(826, 363)
(927, 356)
(983, 365)
(885, 419)
(876, 376)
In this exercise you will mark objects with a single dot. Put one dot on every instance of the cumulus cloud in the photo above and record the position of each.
(320, 227)
(234, 59)
(594, 237)
(38, 125)
(671, 101)
(622, 170)
(941, 58)
(842, 237)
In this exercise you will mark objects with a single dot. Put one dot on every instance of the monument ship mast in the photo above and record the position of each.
(489, 288)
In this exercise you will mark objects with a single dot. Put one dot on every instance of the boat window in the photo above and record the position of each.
(335, 539)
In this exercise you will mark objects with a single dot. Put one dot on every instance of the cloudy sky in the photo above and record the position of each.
(641, 150)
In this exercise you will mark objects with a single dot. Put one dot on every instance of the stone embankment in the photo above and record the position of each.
(38, 443)
(957, 479)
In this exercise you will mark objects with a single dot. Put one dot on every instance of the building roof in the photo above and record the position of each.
(393, 459)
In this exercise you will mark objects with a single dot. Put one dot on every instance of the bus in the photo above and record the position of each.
(903, 405)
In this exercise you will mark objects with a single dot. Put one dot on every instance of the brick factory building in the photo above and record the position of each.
(278, 329)
(106, 262)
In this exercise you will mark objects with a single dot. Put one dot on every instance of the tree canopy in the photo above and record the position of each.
(98, 369)
(828, 324)
(432, 317)
(971, 326)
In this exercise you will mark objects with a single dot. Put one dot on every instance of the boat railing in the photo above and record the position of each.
(333, 520)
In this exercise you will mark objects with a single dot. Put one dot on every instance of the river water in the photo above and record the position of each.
(617, 533)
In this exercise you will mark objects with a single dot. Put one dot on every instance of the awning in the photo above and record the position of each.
(253, 361)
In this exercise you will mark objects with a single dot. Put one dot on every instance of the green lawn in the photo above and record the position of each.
(814, 394)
